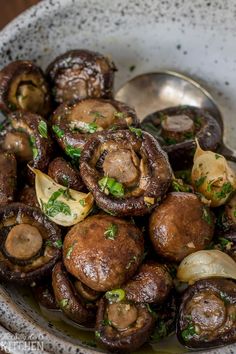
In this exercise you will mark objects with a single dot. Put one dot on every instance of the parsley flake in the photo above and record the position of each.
(111, 232)
(137, 131)
(43, 129)
(59, 132)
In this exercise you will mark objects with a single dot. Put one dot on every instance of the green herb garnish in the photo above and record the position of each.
(70, 249)
(111, 186)
(97, 334)
(33, 146)
(119, 115)
(217, 156)
(160, 331)
(73, 152)
(224, 297)
(58, 244)
(54, 206)
(82, 202)
(59, 132)
(43, 129)
(188, 332)
(132, 260)
(63, 303)
(97, 114)
(226, 189)
(111, 232)
(198, 182)
(179, 186)
(106, 322)
(116, 295)
(206, 215)
(136, 131)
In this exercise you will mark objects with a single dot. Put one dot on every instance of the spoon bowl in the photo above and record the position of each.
(152, 92)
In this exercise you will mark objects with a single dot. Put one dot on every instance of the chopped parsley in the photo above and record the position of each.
(82, 202)
(59, 132)
(132, 260)
(43, 129)
(136, 131)
(58, 244)
(206, 216)
(224, 297)
(160, 331)
(179, 186)
(64, 303)
(33, 146)
(97, 335)
(116, 295)
(188, 332)
(119, 114)
(217, 156)
(54, 206)
(70, 249)
(111, 232)
(97, 114)
(198, 182)
(226, 189)
(111, 186)
(106, 322)
(73, 152)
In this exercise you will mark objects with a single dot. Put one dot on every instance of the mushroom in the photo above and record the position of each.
(44, 295)
(69, 300)
(132, 177)
(79, 74)
(62, 172)
(151, 284)
(181, 225)
(8, 177)
(28, 196)
(103, 251)
(27, 137)
(23, 87)
(74, 123)
(30, 244)
(177, 127)
(123, 326)
(207, 314)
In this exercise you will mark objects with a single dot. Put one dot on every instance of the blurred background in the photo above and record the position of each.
(12, 8)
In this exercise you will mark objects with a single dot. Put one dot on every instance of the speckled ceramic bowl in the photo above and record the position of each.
(194, 37)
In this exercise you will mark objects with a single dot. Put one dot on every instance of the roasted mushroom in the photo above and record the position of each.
(79, 74)
(28, 138)
(68, 299)
(177, 127)
(126, 171)
(103, 251)
(123, 326)
(226, 242)
(44, 295)
(62, 172)
(207, 314)
(8, 177)
(73, 124)
(28, 196)
(152, 284)
(23, 86)
(30, 243)
(181, 225)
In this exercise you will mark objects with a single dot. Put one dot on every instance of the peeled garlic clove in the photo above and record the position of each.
(64, 206)
(205, 264)
(212, 176)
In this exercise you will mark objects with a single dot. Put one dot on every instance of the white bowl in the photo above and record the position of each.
(196, 38)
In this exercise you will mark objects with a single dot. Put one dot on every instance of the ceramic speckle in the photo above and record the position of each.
(196, 38)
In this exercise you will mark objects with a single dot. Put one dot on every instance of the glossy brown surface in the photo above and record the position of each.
(67, 298)
(79, 74)
(118, 339)
(154, 171)
(152, 284)
(35, 268)
(8, 177)
(23, 86)
(63, 173)
(78, 121)
(100, 259)
(180, 225)
(28, 196)
(44, 295)
(209, 308)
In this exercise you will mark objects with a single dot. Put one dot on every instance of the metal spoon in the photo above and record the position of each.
(151, 92)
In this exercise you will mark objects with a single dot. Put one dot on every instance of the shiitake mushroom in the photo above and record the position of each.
(62, 172)
(78, 308)
(207, 314)
(23, 87)
(27, 137)
(123, 326)
(29, 244)
(8, 177)
(126, 170)
(74, 123)
(181, 225)
(79, 74)
(176, 128)
(151, 284)
(103, 251)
